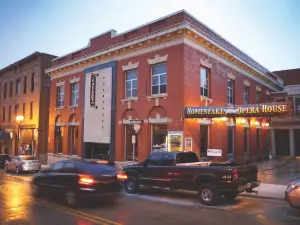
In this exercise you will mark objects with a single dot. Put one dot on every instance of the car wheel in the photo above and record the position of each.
(71, 198)
(131, 185)
(209, 194)
(36, 191)
(231, 195)
(5, 168)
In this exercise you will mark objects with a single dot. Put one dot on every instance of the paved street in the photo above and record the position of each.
(149, 207)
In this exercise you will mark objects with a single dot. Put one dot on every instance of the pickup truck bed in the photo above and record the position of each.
(170, 170)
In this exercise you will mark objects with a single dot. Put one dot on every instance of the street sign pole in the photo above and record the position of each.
(133, 147)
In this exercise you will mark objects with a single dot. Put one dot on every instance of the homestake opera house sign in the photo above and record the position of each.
(268, 109)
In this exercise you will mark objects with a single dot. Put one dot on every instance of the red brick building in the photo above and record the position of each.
(153, 72)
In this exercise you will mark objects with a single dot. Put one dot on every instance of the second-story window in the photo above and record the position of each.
(24, 109)
(75, 94)
(18, 86)
(9, 113)
(257, 96)
(3, 114)
(11, 88)
(25, 85)
(246, 95)
(31, 111)
(204, 82)
(268, 98)
(60, 96)
(159, 79)
(5, 90)
(230, 91)
(131, 84)
(16, 110)
(32, 82)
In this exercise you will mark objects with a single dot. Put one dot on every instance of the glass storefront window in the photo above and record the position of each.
(159, 137)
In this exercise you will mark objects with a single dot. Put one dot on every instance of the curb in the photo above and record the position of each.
(261, 197)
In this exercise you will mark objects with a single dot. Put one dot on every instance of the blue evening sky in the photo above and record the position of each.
(267, 30)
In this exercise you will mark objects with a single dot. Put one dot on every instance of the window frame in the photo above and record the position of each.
(202, 93)
(3, 114)
(58, 95)
(32, 82)
(246, 94)
(230, 91)
(9, 113)
(159, 76)
(5, 90)
(131, 84)
(25, 85)
(18, 86)
(11, 87)
(74, 94)
(31, 111)
(257, 96)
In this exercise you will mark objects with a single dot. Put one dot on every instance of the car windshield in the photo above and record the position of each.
(27, 157)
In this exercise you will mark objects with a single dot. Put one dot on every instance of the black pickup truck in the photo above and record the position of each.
(174, 171)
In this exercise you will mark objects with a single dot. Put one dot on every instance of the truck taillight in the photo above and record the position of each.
(122, 176)
(86, 180)
(235, 175)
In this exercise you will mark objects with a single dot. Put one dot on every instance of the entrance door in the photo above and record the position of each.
(203, 140)
(128, 144)
(282, 142)
(297, 142)
(230, 141)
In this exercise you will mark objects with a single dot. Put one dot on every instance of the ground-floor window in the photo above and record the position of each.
(258, 139)
(73, 140)
(230, 141)
(246, 140)
(128, 130)
(96, 151)
(203, 140)
(58, 140)
(159, 137)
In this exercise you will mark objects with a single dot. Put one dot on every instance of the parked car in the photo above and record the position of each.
(23, 163)
(77, 180)
(292, 194)
(173, 171)
(3, 159)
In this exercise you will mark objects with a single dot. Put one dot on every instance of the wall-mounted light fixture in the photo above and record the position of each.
(267, 124)
(256, 123)
(223, 119)
(243, 121)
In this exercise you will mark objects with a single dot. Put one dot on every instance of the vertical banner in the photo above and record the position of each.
(188, 145)
(93, 90)
(175, 141)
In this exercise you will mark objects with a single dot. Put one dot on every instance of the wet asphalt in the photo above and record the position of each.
(18, 207)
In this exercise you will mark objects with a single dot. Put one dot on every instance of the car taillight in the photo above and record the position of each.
(122, 176)
(235, 175)
(86, 180)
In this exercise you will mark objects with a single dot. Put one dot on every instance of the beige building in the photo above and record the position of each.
(24, 106)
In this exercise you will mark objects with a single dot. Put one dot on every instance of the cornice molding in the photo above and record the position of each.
(183, 29)
(130, 66)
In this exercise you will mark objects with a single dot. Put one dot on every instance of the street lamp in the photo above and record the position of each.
(19, 119)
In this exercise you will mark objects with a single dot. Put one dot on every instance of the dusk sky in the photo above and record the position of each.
(266, 30)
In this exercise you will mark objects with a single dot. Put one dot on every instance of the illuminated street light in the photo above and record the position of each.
(256, 123)
(267, 124)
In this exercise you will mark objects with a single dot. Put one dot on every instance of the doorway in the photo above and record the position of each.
(203, 140)
(282, 142)
(230, 141)
(297, 142)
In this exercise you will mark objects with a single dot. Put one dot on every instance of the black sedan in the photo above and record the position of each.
(77, 180)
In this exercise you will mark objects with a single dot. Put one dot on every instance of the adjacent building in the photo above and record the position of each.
(285, 130)
(125, 95)
(24, 106)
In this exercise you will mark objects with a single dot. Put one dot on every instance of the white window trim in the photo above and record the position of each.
(130, 66)
(160, 74)
(232, 91)
(258, 88)
(247, 83)
(231, 76)
(58, 95)
(247, 94)
(131, 81)
(74, 80)
(206, 63)
(208, 82)
(60, 83)
(73, 95)
(158, 59)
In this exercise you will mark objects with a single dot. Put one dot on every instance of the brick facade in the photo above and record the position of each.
(184, 45)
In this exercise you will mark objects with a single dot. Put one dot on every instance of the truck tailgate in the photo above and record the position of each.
(247, 172)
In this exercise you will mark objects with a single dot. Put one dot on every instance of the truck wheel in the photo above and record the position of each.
(209, 194)
(231, 195)
(131, 185)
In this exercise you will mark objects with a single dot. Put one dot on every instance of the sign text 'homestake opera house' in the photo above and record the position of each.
(268, 109)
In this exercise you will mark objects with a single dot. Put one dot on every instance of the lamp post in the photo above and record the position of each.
(19, 119)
